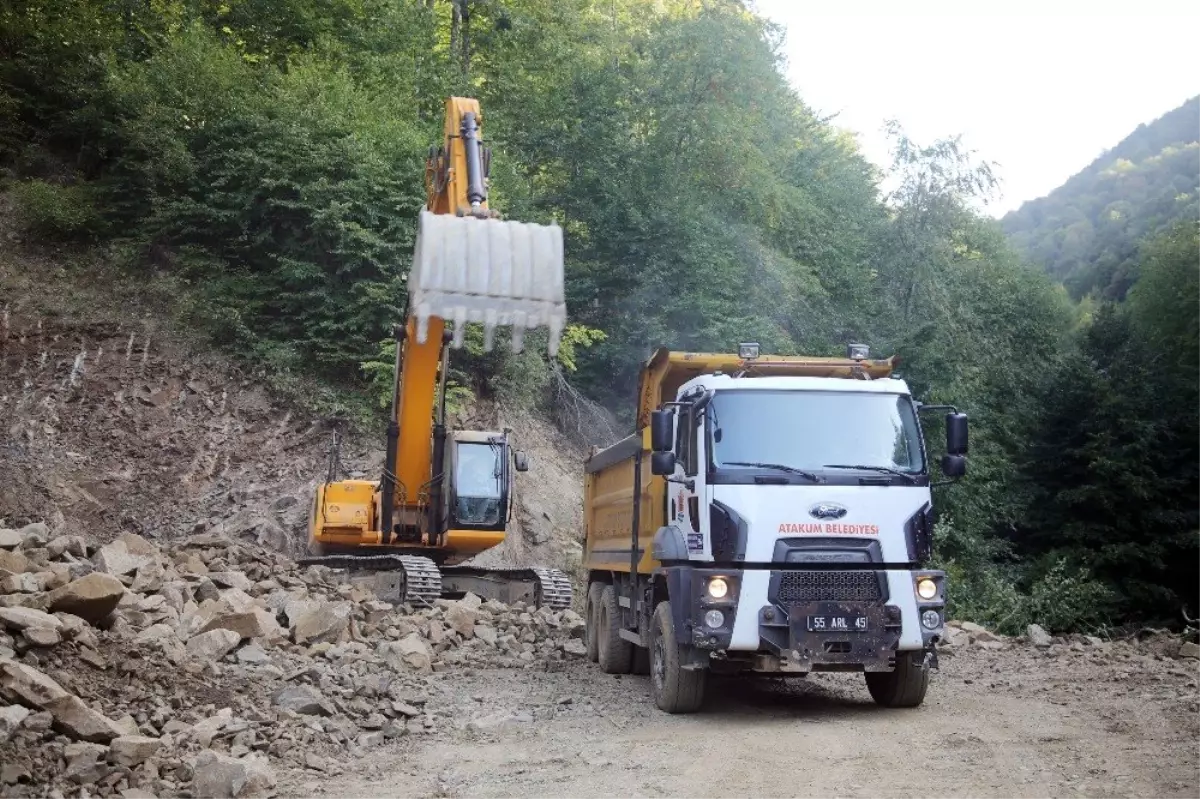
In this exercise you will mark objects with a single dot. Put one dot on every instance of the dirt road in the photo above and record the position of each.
(1017, 723)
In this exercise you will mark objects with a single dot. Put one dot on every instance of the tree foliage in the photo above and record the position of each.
(1086, 233)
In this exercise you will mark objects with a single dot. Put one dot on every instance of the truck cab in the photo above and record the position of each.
(785, 526)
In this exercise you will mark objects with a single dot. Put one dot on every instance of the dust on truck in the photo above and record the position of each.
(771, 515)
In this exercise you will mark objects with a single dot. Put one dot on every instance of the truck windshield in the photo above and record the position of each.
(811, 430)
(477, 483)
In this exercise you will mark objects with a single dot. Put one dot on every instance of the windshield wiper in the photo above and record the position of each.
(911, 480)
(779, 466)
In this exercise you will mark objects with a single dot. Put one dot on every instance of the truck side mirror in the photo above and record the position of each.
(956, 433)
(662, 431)
(520, 461)
(954, 465)
(662, 463)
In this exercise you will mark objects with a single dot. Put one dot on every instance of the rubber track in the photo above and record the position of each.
(422, 579)
(556, 588)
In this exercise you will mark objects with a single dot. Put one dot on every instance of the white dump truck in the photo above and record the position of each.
(770, 515)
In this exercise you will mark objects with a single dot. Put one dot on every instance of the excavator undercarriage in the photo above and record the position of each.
(445, 496)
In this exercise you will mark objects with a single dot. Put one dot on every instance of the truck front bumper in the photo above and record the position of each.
(789, 618)
(860, 620)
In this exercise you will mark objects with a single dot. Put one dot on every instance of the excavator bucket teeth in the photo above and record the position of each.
(491, 271)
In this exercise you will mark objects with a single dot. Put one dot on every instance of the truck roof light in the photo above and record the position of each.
(748, 351)
(857, 352)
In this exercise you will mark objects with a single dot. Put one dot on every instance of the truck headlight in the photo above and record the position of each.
(718, 588)
(926, 588)
(931, 619)
(714, 618)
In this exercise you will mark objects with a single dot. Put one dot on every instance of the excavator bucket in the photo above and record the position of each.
(491, 271)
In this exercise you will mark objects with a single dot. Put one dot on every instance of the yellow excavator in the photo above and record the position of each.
(446, 496)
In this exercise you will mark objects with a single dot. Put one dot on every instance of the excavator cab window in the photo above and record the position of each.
(478, 483)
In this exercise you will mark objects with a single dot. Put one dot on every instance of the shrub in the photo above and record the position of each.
(58, 213)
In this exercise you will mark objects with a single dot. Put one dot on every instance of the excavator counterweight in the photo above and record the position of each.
(446, 496)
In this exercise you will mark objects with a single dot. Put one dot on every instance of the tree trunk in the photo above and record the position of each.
(466, 39)
(455, 26)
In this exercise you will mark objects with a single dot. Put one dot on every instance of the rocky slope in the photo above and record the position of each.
(199, 668)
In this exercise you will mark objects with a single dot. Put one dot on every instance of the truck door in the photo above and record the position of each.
(687, 506)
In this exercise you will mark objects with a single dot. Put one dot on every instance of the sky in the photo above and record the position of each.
(1040, 88)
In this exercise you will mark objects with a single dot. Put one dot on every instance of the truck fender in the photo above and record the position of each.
(669, 544)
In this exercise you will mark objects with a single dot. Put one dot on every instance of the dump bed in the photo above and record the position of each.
(610, 483)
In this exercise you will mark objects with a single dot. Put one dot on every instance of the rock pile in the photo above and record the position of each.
(130, 669)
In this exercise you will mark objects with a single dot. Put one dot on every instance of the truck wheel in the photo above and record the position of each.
(641, 660)
(903, 687)
(592, 619)
(615, 653)
(675, 690)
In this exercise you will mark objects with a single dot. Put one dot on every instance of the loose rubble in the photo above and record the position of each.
(200, 666)
(204, 665)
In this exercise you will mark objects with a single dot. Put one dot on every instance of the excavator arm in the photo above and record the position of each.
(469, 266)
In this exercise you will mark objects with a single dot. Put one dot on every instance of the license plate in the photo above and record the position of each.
(837, 624)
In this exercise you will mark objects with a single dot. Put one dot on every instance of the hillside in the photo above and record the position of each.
(114, 419)
(1086, 233)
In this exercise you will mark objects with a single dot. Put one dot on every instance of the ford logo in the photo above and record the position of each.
(826, 510)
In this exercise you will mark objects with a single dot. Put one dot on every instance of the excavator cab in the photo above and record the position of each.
(481, 466)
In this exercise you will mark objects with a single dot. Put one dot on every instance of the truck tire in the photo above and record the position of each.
(675, 690)
(903, 687)
(592, 620)
(615, 653)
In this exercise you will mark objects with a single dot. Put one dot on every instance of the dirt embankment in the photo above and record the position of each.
(110, 422)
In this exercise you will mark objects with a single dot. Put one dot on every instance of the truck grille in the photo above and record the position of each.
(829, 586)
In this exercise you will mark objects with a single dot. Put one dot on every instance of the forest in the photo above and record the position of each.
(1086, 233)
(262, 161)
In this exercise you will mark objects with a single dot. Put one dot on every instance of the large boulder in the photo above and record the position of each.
(91, 597)
(11, 717)
(212, 645)
(133, 750)
(34, 536)
(410, 653)
(81, 722)
(322, 621)
(255, 623)
(979, 633)
(24, 618)
(461, 619)
(27, 685)
(302, 699)
(24, 583)
(115, 558)
(43, 636)
(1038, 636)
(224, 777)
(15, 562)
